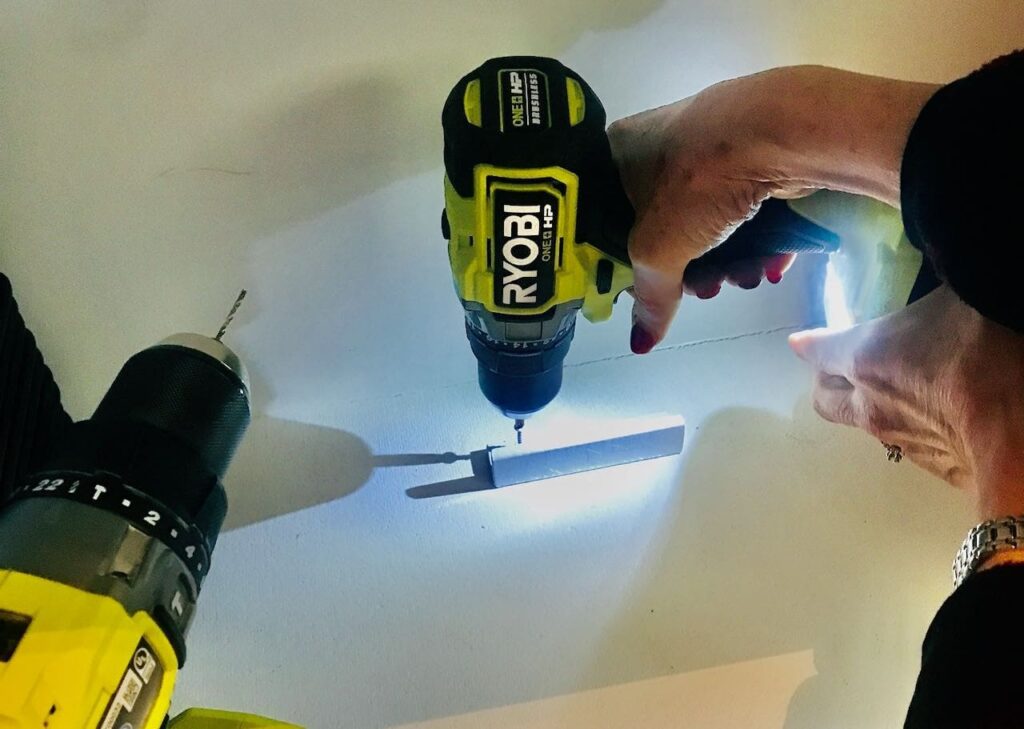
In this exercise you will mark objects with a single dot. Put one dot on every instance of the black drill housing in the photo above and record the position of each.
(129, 503)
(520, 358)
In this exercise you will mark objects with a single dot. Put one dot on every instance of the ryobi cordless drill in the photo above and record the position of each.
(107, 531)
(537, 223)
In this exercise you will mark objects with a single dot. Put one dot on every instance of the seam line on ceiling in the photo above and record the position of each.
(577, 365)
(696, 343)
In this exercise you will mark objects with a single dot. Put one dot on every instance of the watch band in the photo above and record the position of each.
(984, 540)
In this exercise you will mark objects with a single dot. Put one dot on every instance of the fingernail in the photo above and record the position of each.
(773, 276)
(710, 292)
(640, 340)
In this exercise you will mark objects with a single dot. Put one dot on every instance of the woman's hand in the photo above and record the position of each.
(697, 169)
(938, 380)
(693, 174)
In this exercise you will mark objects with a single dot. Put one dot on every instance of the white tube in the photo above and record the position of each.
(623, 441)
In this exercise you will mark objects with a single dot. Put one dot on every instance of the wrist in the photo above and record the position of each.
(838, 130)
(991, 378)
(998, 496)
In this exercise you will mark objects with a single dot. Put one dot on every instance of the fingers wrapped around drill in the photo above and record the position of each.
(696, 170)
(694, 173)
(705, 280)
(657, 294)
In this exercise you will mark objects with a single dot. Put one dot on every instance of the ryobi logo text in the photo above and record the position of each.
(526, 229)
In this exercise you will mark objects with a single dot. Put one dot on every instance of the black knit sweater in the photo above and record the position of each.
(962, 189)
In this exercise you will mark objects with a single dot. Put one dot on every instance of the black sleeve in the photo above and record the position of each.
(972, 666)
(31, 415)
(962, 187)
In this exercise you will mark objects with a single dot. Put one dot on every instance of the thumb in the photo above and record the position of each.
(834, 396)
(825, 350)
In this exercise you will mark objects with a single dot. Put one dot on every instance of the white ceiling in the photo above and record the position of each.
(157, 157)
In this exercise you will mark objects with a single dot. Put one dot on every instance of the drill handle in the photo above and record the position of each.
(775, 229)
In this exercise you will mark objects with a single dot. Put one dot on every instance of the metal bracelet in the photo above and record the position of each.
(984, 540)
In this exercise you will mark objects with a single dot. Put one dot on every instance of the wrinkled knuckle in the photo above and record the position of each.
(957, 475)
(642, 297)
(618, 132)
(658, 304)
(643, 252)
(863, 365)
(827, 408)
(821, 410)
(654, 249)
(642, 246)
(872, 361)
(977, 408)
(875, 419)
(741, 203)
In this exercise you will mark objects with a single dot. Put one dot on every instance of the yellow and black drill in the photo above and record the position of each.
(107, 531)
(537, 223)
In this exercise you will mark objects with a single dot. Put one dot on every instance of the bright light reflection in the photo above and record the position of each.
(837, 311)
(588, 496)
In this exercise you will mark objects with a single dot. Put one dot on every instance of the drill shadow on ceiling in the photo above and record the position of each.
(284, 466)
(335, 463)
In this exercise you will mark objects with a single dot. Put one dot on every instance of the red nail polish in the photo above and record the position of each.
(640, 340)
(773, 276)
(709, 293)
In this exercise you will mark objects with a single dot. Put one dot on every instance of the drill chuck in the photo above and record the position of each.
(134, 493)
(168, 427)
(519, 381)
(191, 388)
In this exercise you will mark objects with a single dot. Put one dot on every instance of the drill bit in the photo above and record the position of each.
(231, 315)
(519, 430)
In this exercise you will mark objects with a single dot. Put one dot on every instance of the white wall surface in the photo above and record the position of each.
(156, 157)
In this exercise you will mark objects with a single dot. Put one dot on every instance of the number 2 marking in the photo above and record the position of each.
(152, 518)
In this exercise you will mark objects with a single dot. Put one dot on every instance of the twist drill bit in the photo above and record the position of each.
(231, 315)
